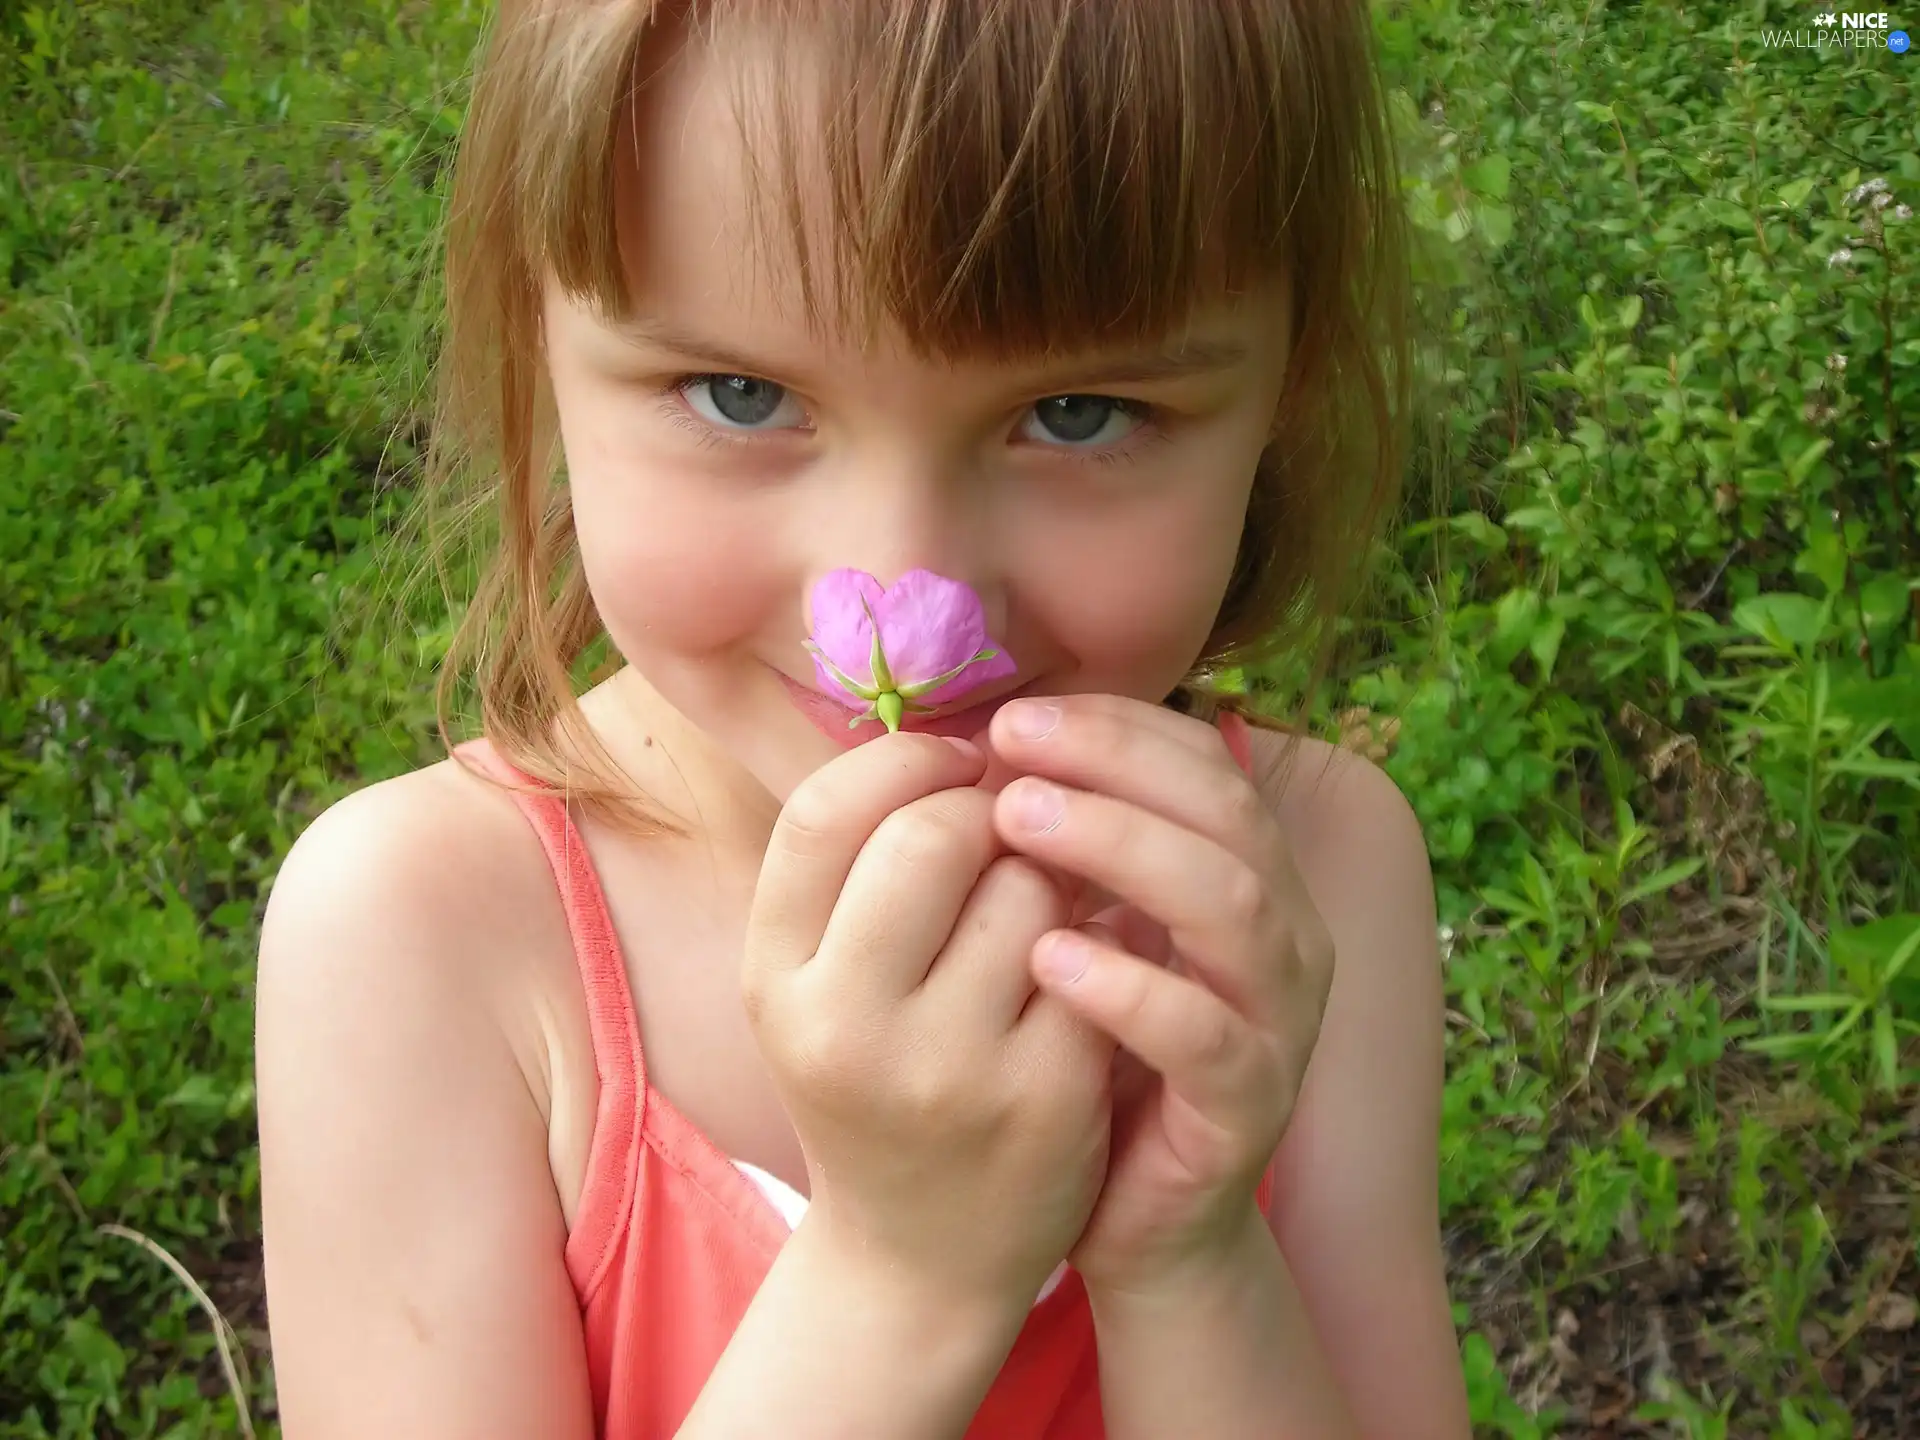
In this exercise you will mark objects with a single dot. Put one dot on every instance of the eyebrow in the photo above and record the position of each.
(1196, 356)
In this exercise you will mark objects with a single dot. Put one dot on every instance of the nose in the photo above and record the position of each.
(895, 514)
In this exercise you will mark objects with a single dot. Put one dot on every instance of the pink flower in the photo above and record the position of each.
(883, 649)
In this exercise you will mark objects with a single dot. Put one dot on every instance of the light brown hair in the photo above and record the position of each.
(1003, 177)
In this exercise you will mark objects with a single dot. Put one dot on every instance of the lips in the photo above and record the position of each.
(830, 717)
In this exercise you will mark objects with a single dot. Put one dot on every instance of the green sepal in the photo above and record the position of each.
(882, 677)
(921, 687)
(844, 680)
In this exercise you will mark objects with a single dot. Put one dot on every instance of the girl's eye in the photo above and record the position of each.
(1084, 420)
(741, 402)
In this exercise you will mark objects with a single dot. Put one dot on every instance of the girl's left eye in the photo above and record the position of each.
(1084, 421)
(741, 402)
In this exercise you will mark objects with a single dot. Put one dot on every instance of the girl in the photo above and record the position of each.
(678, 1061)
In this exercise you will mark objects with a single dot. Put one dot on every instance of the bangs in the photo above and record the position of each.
(1023, 175)
(998, 176)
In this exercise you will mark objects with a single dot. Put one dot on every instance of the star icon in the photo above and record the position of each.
(1827, 19)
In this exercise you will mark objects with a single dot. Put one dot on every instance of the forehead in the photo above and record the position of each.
(693, 152)
(753, 184)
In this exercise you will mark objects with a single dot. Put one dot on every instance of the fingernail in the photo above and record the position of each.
(1064, 958)
(1038, 806)
(1032, 719)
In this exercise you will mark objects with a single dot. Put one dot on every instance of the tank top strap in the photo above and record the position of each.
(609, 999)
(612, 1019)
(1238, 735)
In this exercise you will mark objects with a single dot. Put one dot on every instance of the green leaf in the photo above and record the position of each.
(1883, 701)
(1545, 644)
(1662, 880)
(1479, 529)
(1496, 224)
(1513, 624)
(1788, 622)
(1488, 176)
(1886, 1053)
(1824, 558)
(1808, 1004)
(1886, 600)
(1783, 1045)
(1878, 767)
(1727, 215)
(1794, 195)
(1878, 953)
(1798, 467)
(198, 1092)
(1540, 518)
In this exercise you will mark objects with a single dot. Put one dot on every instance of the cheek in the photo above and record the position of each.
(1137, 598)
(672, 565)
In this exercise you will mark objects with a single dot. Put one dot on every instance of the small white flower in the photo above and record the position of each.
(1836, 362)
(1864, 189)
(1881, 200)
(1903, 212)
(1842, 256)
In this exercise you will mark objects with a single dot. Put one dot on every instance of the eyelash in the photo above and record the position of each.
(1124, 452)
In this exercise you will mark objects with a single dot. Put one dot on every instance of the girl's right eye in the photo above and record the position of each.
(741, 402)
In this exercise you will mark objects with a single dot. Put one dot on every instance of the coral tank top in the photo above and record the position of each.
(672, 1237)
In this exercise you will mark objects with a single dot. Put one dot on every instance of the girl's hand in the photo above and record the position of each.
(1153, 810)
(955, 1121)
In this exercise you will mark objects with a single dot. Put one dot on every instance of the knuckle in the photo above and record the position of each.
(1015, 884)
(822, 1052)
(1214, 1036)
(1304, 946)
(928, 831)
(1129, 828)
(810, 816)
(924, 1094)
(1132, 998)
(1244, 895)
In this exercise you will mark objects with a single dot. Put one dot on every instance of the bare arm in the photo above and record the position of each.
(1232, 1354)
(415, 1244)
(831, 1347)
(1341, 1328)
(1356, 1206)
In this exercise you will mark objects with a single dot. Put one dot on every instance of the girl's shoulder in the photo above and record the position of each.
(1353, 833)
(438, 849)
(426, 886)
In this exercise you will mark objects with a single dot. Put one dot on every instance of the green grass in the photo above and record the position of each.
(1651, 662)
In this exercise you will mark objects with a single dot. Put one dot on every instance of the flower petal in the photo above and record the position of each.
(836, 683)
(842, 630)
(998, 667)
(929, 624)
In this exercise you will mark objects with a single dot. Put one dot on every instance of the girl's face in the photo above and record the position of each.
(722, 457)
